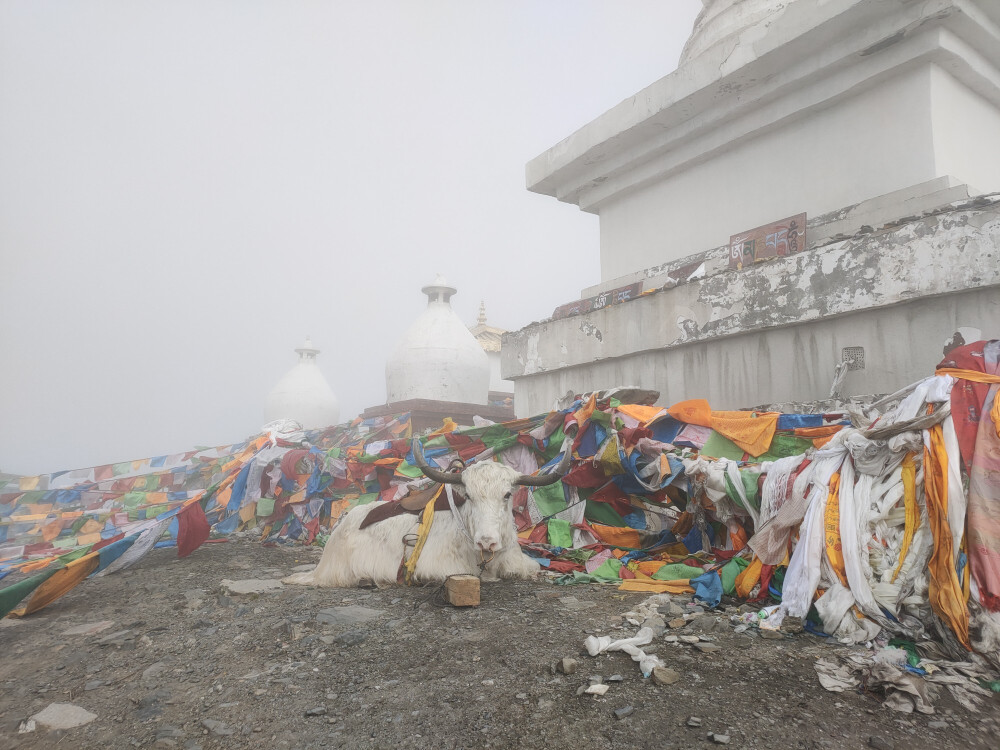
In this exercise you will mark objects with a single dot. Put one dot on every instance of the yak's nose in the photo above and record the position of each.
(489, 544)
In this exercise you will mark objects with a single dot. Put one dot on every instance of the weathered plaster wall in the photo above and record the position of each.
(774, 331)
(877, 141)
(966, 132)
(902, 345)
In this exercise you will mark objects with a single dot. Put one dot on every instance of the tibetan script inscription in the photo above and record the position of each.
(781, 238)
(602, 300)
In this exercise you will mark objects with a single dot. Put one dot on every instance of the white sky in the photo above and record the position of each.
(189, 188)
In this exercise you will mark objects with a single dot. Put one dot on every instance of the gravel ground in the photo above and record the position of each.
(180, 664)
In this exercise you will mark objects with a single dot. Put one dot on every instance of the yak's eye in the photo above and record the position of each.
(507, 496)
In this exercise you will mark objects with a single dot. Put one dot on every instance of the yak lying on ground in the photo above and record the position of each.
(483, 530)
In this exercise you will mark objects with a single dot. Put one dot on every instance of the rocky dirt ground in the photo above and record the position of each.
(178, 663)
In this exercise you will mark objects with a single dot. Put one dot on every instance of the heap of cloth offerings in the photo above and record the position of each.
(883, 523)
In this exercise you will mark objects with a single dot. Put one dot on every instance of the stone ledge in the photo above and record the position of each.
(951, 251)
(939, 195)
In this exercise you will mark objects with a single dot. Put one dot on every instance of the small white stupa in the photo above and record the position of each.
(303, 394)
(438, 358)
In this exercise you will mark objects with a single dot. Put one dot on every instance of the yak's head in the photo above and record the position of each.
(489, 485)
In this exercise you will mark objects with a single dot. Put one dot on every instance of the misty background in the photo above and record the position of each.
(190, 188)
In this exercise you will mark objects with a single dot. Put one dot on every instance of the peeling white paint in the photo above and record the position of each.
(950, 261)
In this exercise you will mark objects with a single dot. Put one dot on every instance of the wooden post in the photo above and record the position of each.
(463, 590)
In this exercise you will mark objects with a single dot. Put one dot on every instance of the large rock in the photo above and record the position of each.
(251, 586)
(63, 716)
(89, 628)
(350, 615)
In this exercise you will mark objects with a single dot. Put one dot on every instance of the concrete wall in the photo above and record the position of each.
(966, 133)
(774, 331)
(902, 344)
(875, 142)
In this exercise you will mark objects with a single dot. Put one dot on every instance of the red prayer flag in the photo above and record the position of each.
(192, 529)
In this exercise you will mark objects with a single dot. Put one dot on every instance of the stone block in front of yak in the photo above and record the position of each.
(462, 590)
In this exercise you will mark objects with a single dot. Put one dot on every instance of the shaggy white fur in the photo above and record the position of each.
(353, 554)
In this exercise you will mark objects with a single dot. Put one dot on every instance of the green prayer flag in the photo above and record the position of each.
(550, 499)
(498, 437)
(560, 533)
(602, 513)
(676, 572)
(608, 569)
(11, 596)
(719, 446)
(785, 445)
(555, 443)
(730, 571)
(407, 470)
(133, 500)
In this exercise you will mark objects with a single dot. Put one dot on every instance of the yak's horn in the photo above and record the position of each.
(555, 475)
(444, 477)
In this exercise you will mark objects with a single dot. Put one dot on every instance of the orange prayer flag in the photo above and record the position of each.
(585, 411)
(91, 527)
(909, 475)
(694, 411)
(617, 537)
(648, 567)
(447, 425)
(36, 565)
(834, 548)
(751, 431)
(944, 590)
(59, 583)
(739, 537)
(818, 432)
(222, 499)
(51, 530)
(748, 578)
(656, 587)
(644, 414)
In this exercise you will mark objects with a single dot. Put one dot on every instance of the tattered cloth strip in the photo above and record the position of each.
(975, 366)
(984, 508)
(905, 688)
(945, 591)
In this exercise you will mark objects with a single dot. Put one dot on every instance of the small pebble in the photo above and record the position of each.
(566, 665)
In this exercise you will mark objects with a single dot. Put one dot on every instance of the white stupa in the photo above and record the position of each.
(303, 394)
(438, 358)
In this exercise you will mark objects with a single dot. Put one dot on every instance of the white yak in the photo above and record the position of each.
(482, 531)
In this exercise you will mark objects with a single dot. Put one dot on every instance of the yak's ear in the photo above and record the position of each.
(444, 477)
(556, 474)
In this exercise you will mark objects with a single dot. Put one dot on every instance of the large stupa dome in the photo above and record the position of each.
(724, 20)
(303, 394)
(438, 358)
